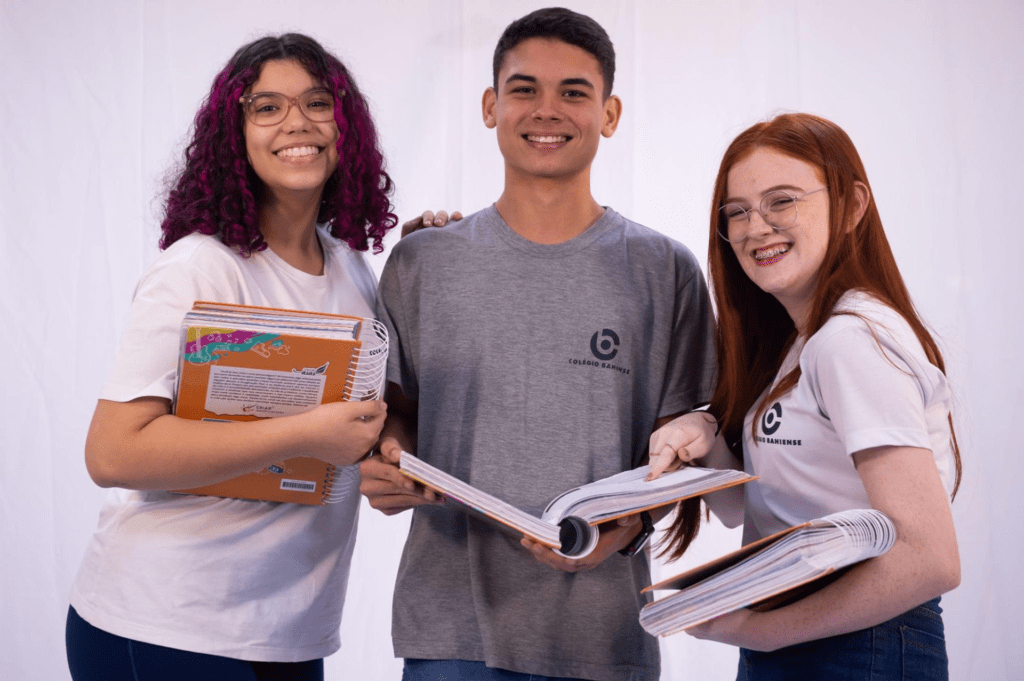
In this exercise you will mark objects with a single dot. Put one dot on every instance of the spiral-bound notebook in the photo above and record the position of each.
(771, 572)
(243, 363)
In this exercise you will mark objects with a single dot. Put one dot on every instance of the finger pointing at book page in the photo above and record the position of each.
(679, 441)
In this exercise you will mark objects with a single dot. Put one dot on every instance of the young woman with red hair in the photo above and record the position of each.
(831, 389)
(282, 186)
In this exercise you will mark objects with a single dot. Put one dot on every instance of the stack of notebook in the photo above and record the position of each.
(241, 363)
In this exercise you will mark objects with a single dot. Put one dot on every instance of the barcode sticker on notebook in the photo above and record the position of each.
(298, 485)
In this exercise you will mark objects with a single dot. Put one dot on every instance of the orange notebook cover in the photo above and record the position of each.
(242, 363)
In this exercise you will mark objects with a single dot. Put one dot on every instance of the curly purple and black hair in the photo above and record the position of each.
(217, 191)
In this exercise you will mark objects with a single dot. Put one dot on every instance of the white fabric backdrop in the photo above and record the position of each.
(96, 99)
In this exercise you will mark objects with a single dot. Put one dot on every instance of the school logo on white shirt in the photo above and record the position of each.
(771, 421)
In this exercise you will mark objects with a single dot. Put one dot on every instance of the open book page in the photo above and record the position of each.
(480, 502)
(567, 523)
(772, 566)
(628, 492)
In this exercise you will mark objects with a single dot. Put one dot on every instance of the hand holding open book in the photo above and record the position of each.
(569, 522)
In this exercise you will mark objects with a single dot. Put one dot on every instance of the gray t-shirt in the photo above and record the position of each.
(537, 368)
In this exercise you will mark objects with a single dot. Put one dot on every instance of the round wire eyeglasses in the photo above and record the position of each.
(777, 208)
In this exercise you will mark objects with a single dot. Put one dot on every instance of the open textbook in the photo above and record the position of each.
(568, 523)
(770, 572)
(242, 363)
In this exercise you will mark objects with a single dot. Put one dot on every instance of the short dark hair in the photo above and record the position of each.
(562, 24)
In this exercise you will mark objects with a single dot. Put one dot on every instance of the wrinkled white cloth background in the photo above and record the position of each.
(96, 100)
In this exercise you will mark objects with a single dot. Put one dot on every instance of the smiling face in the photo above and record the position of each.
(295, 155)
(549, 111)
(782, 263)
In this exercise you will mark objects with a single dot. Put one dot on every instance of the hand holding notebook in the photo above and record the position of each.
(245, 363)
(340, 432)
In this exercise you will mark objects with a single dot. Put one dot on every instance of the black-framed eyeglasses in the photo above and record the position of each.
(270, 108)
(778, 209)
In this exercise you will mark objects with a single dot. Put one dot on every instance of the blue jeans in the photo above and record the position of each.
(95, 655)
(466, 670)
(908, 647)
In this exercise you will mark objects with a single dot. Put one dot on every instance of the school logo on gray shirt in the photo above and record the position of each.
(608, 347)
(604, 345)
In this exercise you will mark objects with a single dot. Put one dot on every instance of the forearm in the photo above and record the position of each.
(383, 485)
(721, 457)
(174, 453)
(140, 445)
(726, 504)
(402, 421)
(402, 430)
(923, 563)
(871, 593)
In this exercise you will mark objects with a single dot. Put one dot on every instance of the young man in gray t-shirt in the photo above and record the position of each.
(535, 345)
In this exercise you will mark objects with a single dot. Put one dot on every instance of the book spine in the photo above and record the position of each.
(577, 536)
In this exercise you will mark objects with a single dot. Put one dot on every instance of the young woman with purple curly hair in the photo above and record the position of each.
(283, 187)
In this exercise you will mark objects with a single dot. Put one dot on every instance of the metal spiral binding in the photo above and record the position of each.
(365, 381)
(328, 488)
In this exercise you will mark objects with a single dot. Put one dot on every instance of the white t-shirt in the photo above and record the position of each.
(865, 382)
(251, 580)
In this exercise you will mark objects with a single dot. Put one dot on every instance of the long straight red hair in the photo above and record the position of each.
(754, 331)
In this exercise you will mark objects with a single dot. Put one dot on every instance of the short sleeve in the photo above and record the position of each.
(691, 358)
(872, 388)
(147, 360)
(353, 266)
(391, 312)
